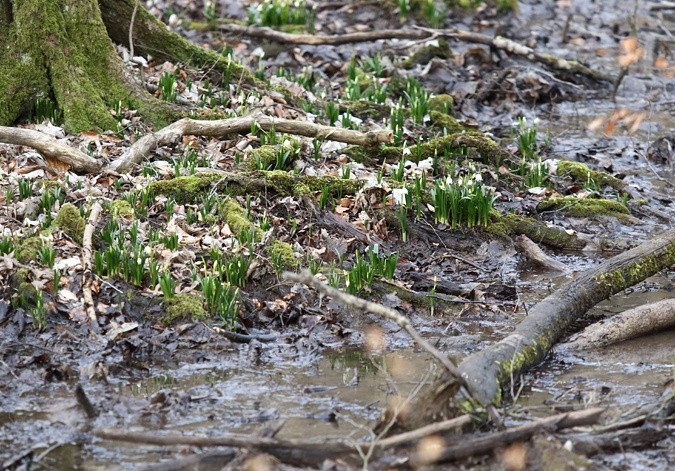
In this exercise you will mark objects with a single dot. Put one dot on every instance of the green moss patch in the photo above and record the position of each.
(122, 209)
(426, 53)
(585, 208)
(27, 249)
(188, 189)
(581, 174)
(283, 254)
(185, 306)
(71, 222)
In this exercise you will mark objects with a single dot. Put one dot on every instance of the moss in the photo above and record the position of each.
(187, 189)
(27, 249)
(263, 157)
(122, 209)
(445, 121)
(70, 221)
(506, 226)
(282, 254)
(234, 216)
(183, 307)
(581, 174)
(585, 207)
(465, 143)
(366, 109)
(442, 103)
(428, 52)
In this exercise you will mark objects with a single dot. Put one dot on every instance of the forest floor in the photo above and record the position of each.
(199, 332)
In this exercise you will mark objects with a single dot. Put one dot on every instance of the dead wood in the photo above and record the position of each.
(488, 371)
(474, 446)
(50, 147)
(498, 43)
(534, 253)
(331, 40)
(591, 444)
(290, 451)
(219, 128)
(87, 265)
(642, 320)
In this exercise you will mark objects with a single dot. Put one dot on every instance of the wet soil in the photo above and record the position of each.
(316, 374)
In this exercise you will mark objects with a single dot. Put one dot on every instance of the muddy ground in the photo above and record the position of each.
(302, 358)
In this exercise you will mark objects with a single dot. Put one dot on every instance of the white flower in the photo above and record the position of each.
(399, 195)
(478, 177)
(148, 250)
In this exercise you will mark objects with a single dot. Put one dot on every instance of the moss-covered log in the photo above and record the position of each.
(489, 370)
(61, 50)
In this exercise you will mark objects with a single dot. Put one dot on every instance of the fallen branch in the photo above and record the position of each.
(87, 265)
(266, 443)
(332, 40)
(50, 147)
(468, 446)
(488, 370)
(499, 43)
(308, 279)
(534, 253)
(218, 128)
(636, 322)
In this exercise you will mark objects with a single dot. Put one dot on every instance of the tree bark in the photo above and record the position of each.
(489, 370)
(150, 37)
(61, 50)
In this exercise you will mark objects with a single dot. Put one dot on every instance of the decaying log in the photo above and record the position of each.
(50, 147)
(636, 322)
(534, 253)
(474, 446)
(218, 128)
(488, 371)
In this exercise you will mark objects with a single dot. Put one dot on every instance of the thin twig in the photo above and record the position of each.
(307, 278)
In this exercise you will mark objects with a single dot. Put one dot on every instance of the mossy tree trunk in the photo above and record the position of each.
(151, 38)
(61, 49)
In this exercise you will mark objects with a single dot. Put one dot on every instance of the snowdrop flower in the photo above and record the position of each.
(399, 195)
(406, 151)
(478, 177)
(148, 250)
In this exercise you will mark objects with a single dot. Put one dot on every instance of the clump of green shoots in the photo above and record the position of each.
(45, 110)
(220, 298)
(38, 312)
(531, 167)
(6, 245)
(167, 86)
(25, 189)
(418, 100)
(397, 119)
(463, 201)
(366, 268)
(277, 13)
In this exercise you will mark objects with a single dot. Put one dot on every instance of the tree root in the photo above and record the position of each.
(175, 131)
(50, 147)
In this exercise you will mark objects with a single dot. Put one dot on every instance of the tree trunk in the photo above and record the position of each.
(61, 50)
(151, 38)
